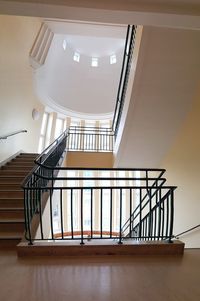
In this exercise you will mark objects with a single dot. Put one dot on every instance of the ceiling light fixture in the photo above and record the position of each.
(76, 57)
(113, 59)
(94, 62)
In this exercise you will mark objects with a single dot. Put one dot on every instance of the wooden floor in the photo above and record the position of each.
(113, 278)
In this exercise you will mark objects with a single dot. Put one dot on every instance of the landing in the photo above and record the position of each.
(100, 278)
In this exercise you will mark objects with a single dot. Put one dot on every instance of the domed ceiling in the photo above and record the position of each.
(68, 82)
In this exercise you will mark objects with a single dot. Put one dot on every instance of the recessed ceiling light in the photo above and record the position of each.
(94, 62)
(76, 57)
(113, 59)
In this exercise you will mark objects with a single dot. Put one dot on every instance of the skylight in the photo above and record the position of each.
(94, 62)
(113, 59)
(76, 57)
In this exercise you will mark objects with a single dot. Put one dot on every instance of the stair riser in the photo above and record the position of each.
(26, 158)
(11, 227)
(10, 187)
(11, 203)
(9, 243)
(13, 172)
(17, 167)
(11, 194)
(28, 154)
(23, 159)
(11, 180)
(9, 214)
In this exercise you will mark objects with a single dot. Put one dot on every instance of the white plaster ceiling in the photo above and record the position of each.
(76, 88)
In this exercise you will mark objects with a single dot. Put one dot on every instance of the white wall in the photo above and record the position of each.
(166, 77)
(17, 98)
(183, 170)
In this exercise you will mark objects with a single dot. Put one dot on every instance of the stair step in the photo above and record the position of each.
(29, 156)
(17, 167)
(10, 235)
(11, 213)
(10, 179)
(19, 163)
(11, 225)
(10, 239)
(11, 187)
(13, 172)
(11, 193)
(11, 203)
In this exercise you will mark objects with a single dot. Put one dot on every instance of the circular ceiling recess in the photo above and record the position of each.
(80, 76)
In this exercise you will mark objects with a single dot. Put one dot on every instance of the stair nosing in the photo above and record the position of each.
(13, 209)
(12, 221)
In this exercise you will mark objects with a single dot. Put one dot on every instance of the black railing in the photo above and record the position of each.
(102, 139)
(94, 203)
(125, 71)
(187, 231)
(39, 178)
(90, 139)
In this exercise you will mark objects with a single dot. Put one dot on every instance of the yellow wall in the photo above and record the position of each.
(89, 159)
(17, 98)
(183, 169)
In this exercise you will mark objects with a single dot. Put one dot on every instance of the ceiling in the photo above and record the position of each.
(76, 88)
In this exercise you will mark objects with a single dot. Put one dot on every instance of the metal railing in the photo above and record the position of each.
(125, 71)
(94, 203)
(12, 134)
(40, 177)
(90, 139)
(186, 231)
(153, 219)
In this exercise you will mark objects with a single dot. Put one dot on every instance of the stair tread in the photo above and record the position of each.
(10, 235)
(11, 198)
(11, 208)
(11, 220)
(14, 190)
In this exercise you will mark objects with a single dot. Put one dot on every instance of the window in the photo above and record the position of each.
(94, 62)
(43, 131)
(48, 130)
(76, 57)
(64, 44)
(59, 127)
(113, 59)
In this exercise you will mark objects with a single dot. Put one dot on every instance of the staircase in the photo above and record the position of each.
(12, 198)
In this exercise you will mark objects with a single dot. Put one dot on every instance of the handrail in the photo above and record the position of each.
(40, 159)
(184, 232)
(126, 65)
(141, 206)
(12, 134)
(51, 147)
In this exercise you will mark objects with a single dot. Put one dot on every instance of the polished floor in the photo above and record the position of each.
(141, 278)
